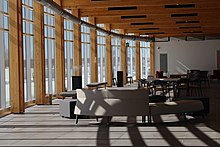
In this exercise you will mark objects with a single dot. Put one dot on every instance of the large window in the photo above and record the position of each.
(69, 53)
(28, 49)
(116, 54)
(85, 44)
(145, 59)
(101, 49)
(49, 33)
(131, 58)
(4, 56)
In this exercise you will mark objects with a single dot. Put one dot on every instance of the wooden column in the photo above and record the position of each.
(93, 52)
(138, 62)
(16, 56)
(123, 57)
(39, 54)
(59, 56)
(152, 59)
(77, 46)
(108, 57)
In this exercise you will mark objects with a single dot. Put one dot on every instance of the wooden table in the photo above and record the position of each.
(96, 85)
(68, 94)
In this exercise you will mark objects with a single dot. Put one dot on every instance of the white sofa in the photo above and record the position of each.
(112, 102)
(127, 102)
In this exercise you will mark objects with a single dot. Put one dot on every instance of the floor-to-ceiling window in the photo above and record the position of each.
(131, 58)
(101, 50)
(28, 49)
(49, 34)
(4, 55)
(116, 54)
(145, 59)
(69, 53)
(85, 45)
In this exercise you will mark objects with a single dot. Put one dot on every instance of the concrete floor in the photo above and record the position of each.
(43, 126)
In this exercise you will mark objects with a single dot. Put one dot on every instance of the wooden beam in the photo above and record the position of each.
(77, 46)
(39, 54)
(123, 57)
(109, 73)
(152, 59)
(110, 3)
(138, 62)
(59, 56)
(93, 52)
(16, 56)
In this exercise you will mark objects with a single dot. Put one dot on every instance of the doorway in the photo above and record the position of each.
(218, 59)
(163, 62)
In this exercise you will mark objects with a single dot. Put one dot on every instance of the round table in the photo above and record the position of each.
(68, 94)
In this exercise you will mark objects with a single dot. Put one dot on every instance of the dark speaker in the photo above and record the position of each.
(120, 78)
(76, 82)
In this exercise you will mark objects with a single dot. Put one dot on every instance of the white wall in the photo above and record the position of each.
(183, 55)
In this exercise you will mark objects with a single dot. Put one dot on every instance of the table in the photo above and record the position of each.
(163, 79)
(129, 79)
(67, 107)
(68, 94)
(165, 85)
(96, 85)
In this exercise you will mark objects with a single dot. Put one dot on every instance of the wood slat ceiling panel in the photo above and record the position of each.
(167, 16)
(149, 10)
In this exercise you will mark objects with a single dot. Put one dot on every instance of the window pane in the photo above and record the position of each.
(49, 51)
(4, 56)
(28, 50)
(85, 44)
(69, 51)
(116, 54)
(145, 59)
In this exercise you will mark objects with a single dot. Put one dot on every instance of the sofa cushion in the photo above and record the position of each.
(157, 98)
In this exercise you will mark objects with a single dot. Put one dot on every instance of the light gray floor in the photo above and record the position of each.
(43, 126)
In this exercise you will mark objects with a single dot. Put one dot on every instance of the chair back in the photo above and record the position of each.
(159, 74)
(204, 74)
(194, 75)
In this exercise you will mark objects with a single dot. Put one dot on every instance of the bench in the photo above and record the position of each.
(203, 99)
(175, 107)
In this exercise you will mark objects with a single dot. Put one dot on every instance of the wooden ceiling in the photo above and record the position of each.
(158, 18)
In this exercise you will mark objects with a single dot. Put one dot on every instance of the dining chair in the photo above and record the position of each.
(182, 85)
(195, 82)
(204, 77)
(158, 86)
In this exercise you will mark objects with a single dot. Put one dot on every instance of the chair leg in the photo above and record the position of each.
(184, 116)
(143, 119)
(149, 119)
(97, 118)
(77, 119)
